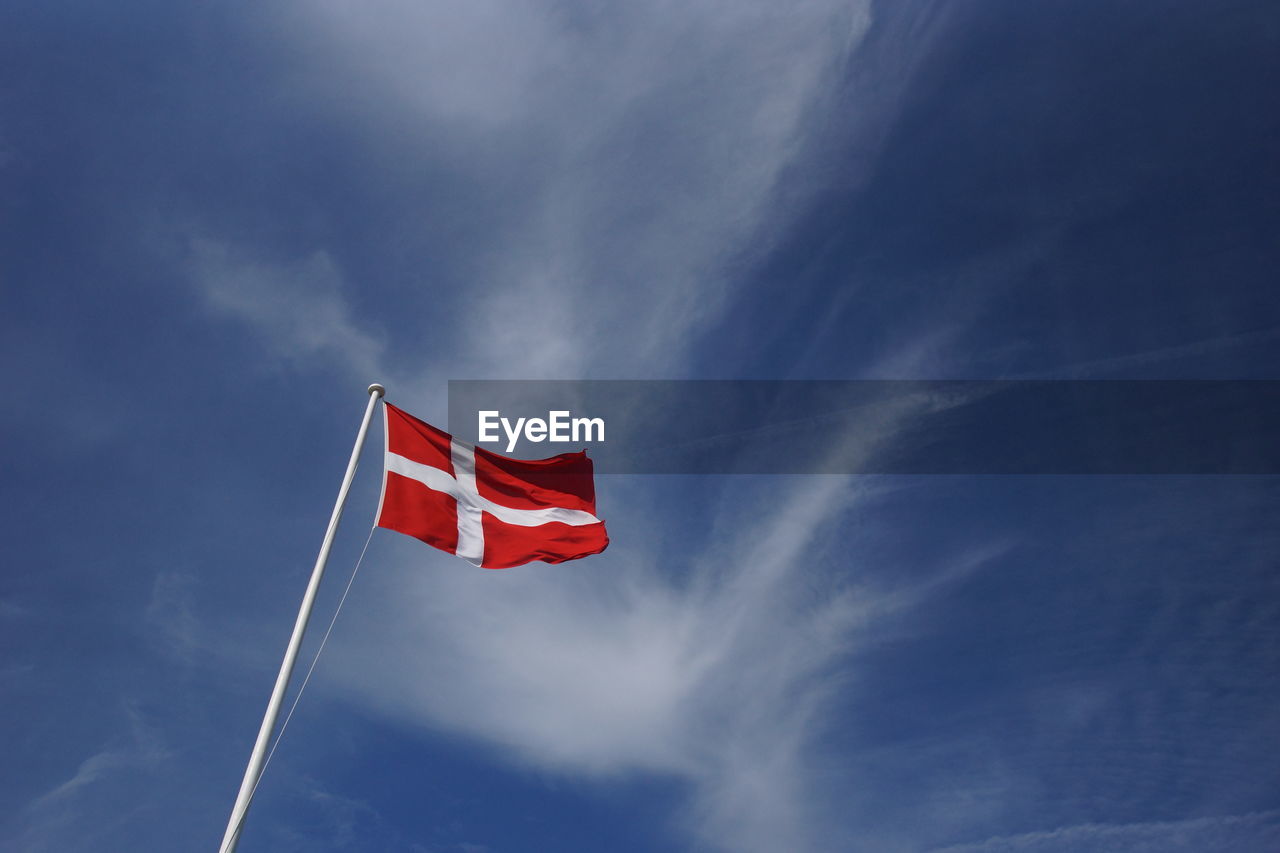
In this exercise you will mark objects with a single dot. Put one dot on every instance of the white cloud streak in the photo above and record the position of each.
(75, 814)
(297, 307)
(654, 135)
(1258, 831)
(622, 668)
(717, 668)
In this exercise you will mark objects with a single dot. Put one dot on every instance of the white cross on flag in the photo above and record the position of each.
(490, 510)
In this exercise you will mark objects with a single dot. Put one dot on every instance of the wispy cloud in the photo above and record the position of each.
(171, 614)
(641, 147)
(327, 820)
(297, 307)
(619, 671)
(1171, 360)
(77, 813)
(1258, 831)
(717, 669)
(90, 771)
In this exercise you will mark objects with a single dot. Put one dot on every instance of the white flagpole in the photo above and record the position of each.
(254, 771)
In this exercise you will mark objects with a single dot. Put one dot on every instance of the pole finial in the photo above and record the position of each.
(375, 388)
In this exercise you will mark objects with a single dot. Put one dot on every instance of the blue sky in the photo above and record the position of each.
(220, 222)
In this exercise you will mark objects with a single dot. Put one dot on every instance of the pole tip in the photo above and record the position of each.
(375, 388)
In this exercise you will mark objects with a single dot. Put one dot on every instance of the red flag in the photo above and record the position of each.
(490, 510)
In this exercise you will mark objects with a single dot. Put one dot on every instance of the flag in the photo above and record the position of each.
(490, 510)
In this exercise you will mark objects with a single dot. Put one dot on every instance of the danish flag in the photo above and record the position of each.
(490, 510)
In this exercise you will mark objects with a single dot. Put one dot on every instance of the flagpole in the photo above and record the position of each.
(253, 771)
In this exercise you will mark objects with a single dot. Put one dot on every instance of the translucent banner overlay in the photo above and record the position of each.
(886, 427)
